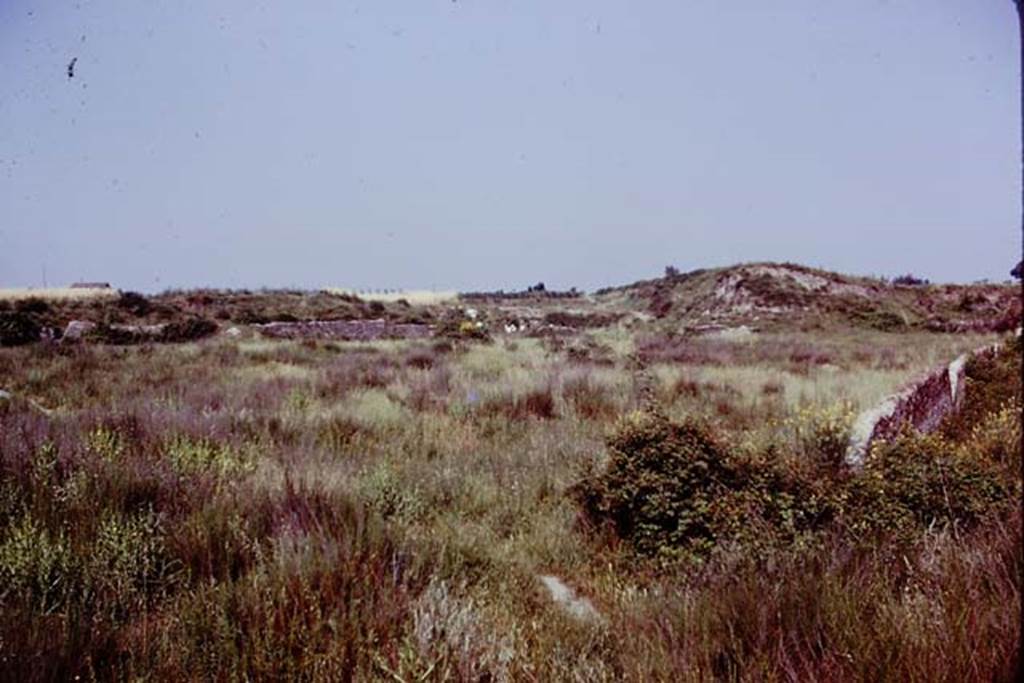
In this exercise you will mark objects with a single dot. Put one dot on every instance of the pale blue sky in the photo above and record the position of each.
(485, 144)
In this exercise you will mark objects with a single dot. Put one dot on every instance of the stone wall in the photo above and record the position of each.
(923, 404)
(358, 330)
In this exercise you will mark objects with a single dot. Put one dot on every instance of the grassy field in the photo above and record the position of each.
(249, 509)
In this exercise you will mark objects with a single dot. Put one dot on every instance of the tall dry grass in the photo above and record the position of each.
(330, 511)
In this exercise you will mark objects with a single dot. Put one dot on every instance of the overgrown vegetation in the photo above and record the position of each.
(245, 508)
(677, 490)
(17, 328)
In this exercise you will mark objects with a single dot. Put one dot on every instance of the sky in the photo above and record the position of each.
(485, 144)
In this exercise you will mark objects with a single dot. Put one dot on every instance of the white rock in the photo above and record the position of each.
(566, 598)
(956, 375)
(864, 427)
(76, 329)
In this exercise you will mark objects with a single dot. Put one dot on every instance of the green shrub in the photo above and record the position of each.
(991, 381)
(33, 304)
(128, 566)
(18, 328)
(37, 569)
(187, 330)
(135, 303)
(877, 319)
(105, 333)
(677, 490)
(922, 481)
(821, 433)
(189, 456)
(661, 485)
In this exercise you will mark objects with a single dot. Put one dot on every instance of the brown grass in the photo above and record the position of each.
(239, 509)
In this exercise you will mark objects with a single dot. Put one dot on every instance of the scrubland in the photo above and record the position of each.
(254, 509)
(240, 508)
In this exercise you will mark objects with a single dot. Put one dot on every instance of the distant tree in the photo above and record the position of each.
(1016, 272)
(671, 272)
(909, 280)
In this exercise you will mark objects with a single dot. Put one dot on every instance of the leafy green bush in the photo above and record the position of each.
(991, 381)
(18, 328)
(676, 490)
(920, 481)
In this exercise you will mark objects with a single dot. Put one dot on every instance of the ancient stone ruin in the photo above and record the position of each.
(922, 405)
(355, 330)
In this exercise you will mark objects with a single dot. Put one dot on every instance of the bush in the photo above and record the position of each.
(921, 481)
(881, 320)
(187, 330)
(821, 434)
(18, 328)
(104, 333)
(676, 490)
(991, 381)
(33, 304)
(456, 327)
(135, 303)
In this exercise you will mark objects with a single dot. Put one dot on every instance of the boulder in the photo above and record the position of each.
(77, 329)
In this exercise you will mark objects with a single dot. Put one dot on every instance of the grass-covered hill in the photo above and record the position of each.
(777, 295)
